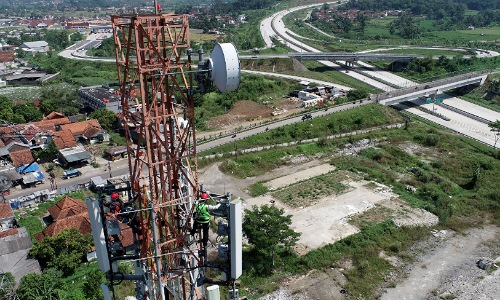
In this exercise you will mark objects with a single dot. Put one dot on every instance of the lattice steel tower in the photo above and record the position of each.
(163, 171)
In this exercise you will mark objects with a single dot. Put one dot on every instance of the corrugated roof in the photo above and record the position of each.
(74, 154)
(36, 44)
(28, 168)
(33, 177)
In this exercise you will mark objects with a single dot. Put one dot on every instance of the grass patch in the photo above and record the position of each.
(368, 269)
(308, 192)
(256, 164)
(363, 117)
(372, 216)
(257, 189)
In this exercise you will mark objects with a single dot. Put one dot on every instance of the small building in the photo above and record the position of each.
(97, 182)
(73, 156)
(33, 48)
(309, 99)
(87, 131)
(97, 97)
(33, 178)
(115, 153)
(6, 216)
(21, 157)
(15, 245)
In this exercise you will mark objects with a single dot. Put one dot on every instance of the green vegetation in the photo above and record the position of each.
(268, 230)
(7, 285)
(18, 113)
(455, 178)
(257, 189)
(307, 192)
(51, 284)
(76, 71)
(363, 117)
(105, 117)
(65, 251)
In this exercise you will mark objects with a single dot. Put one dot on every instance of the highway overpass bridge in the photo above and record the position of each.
(351, 57)
(429, 89)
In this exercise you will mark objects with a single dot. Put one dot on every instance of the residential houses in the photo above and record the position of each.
(17, 162)
(72, 213)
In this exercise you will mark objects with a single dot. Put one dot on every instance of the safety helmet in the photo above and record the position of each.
(115, 196)
(204, 195)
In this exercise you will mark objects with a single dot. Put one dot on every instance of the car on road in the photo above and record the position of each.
(307, 117)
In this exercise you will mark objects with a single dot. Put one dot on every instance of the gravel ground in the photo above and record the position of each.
(446, 268)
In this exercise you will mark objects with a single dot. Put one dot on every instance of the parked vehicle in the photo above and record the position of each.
(71, 174)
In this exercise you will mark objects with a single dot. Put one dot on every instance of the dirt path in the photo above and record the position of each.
(448, 270)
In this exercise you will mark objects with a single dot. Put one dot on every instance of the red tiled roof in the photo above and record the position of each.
(81, 222)
(91, 131)
(8, 232)
(54, 115)
(65, 215)
(22, 157)
(16, 145)
(7, 55)
(64, 139)
(67, 207)
(56, 121)
(126, 236)
(45, 126)
(79, 127)
(5, 211)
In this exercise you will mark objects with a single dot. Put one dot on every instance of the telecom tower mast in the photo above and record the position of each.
(158, 84)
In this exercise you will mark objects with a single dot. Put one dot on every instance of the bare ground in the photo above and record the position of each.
(246, 113)
(446, 266)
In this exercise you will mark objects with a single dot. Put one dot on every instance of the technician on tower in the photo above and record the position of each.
(202, 216)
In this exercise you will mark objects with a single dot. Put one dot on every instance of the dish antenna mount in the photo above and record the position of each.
(222, 68)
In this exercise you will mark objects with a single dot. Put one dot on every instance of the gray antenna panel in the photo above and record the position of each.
(225, 67)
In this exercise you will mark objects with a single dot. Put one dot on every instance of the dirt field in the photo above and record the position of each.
(445, 270)
(246, 112)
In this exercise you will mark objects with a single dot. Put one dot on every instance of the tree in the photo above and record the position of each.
(105, 117)
(65, 251)
(495, 128)
(48, 154)
(356, 94)
(40, 286)
(94, 279)
(29, 111)
(268, 229)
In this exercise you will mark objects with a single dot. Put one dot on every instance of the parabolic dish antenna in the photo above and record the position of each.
(225, 67)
